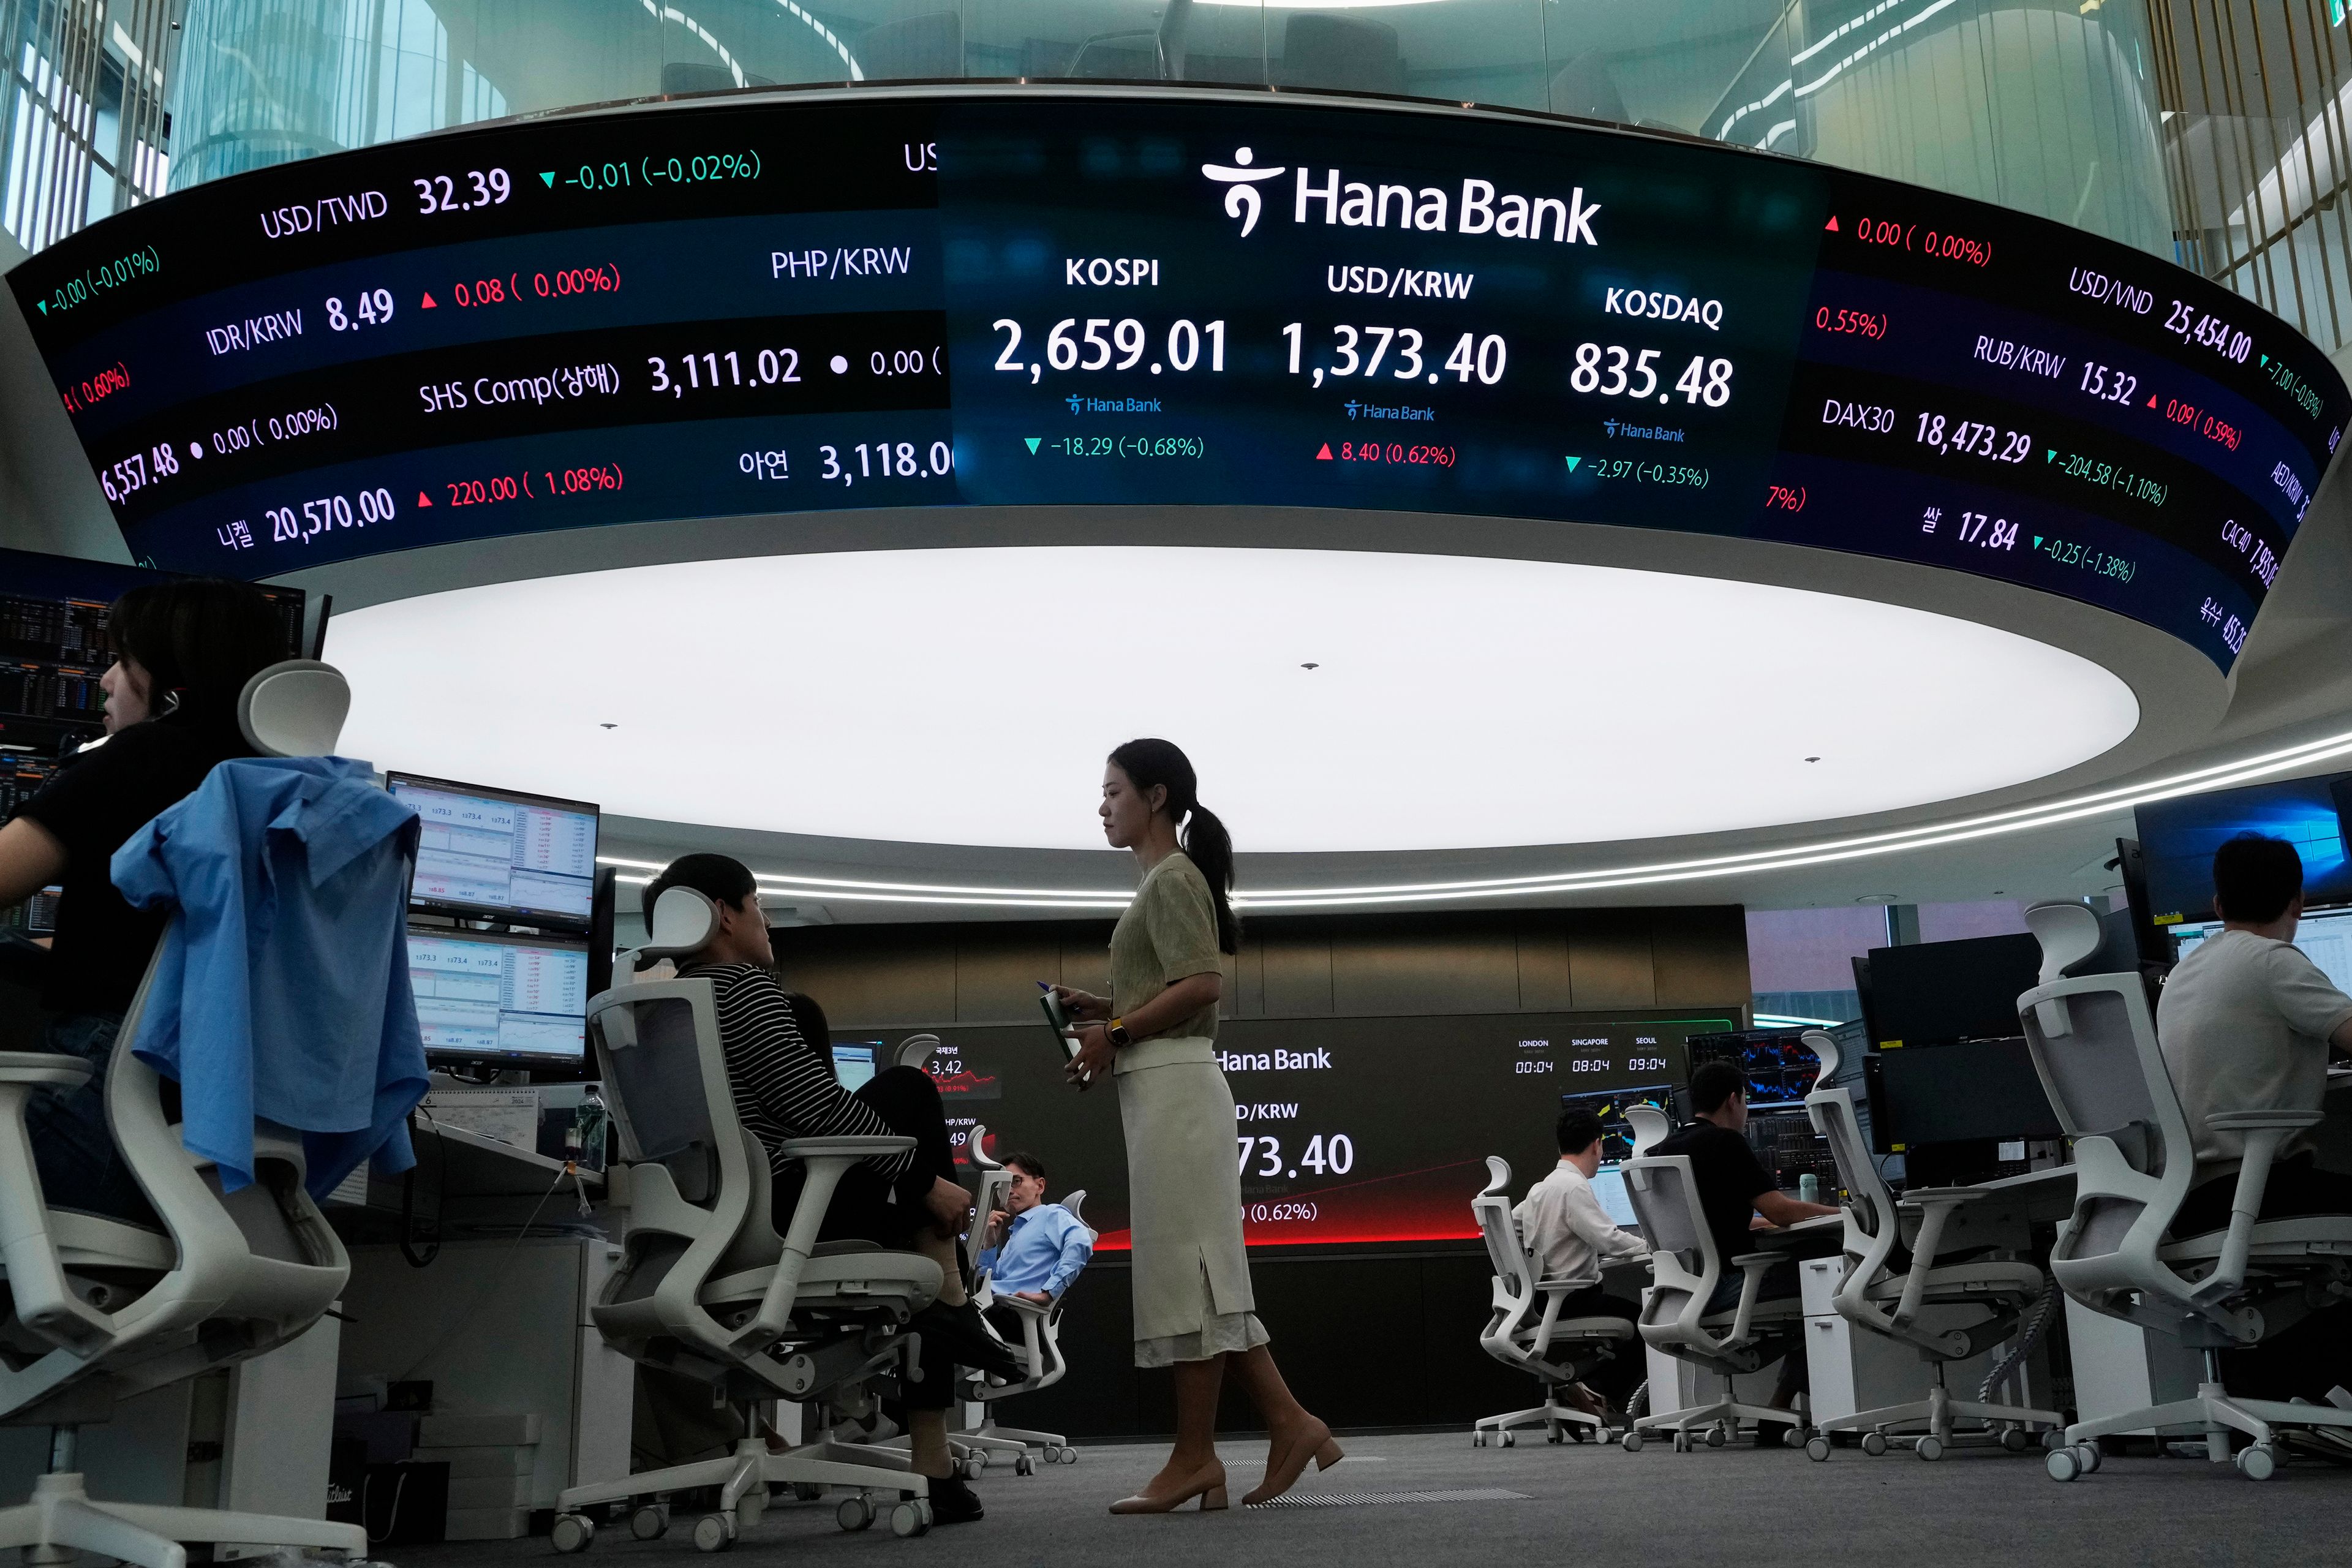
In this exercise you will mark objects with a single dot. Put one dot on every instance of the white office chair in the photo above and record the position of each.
(1524, 1330)
(2094, 1044)
(709, 1290)
(1684, 1274)
(1884, 1301)
(98, 1310)
(1041, 1346)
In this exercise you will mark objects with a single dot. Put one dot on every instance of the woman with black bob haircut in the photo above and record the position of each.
(183, 652)
(1156, 1036)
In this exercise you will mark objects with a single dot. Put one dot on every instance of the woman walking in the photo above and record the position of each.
(1156, 1037)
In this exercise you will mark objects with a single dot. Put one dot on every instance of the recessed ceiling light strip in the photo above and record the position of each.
(2016, 820)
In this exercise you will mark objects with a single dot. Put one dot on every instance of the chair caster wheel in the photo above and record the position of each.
(1024, 1465)
(1510, 1440)
(1555, 1434)
(2063, 1464)
(649, 1523)
(573, 1532)
(1682, 1442)
(909, 1518)
(974, 1466)
(1477, 1439)
(2092, 1457)
(1714, 1437)
(1794, 1437)
(1069, 1455)
(714, 1533)
(1631, 1442)
(807, 1491)
(1817, 1450)
(1873, 1443)
(2256, 1464)
(854, 1513)
(2015, 1441)
(1931, 1448)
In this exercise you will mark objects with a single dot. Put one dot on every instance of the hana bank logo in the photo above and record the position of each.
(1241, 201)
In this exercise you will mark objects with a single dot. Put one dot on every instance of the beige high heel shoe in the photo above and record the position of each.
(1208, 1484)
(1283, 1469)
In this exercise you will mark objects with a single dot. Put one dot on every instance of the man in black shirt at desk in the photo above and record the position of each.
(1734, 1187)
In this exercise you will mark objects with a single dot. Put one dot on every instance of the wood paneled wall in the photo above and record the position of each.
(1291, 966)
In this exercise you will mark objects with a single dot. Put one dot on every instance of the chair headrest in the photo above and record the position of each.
(683, 921)
(915, 1051)
(1498, 1175)
(294, 709)
(1075, 1202)
(2069, 932)
(1822, 1045)
(1648, 1124)
(975, 1150)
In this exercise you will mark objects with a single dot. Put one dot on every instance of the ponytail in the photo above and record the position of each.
(1199, 831)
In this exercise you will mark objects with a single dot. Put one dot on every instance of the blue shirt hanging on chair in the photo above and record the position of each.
(281, 991)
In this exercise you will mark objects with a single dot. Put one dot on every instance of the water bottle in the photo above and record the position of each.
(1808, 1187)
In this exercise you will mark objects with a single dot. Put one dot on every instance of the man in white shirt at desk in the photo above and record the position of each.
(2246, 1022)
(1034, 1248)
(1570, 1235)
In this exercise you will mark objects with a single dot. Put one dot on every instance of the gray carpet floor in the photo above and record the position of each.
(1582, 1504)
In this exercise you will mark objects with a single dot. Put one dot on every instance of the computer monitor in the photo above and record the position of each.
(2178, 838)
(1609, 1187)
(854, 1064)
(488, 997)
(1942, 991)
(2325, 939)
(501, 854)
(1609, 1105)
(1976, 1090)
(1779, 1066)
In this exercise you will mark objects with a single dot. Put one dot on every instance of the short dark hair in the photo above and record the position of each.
(1576, 1129)
(2255, 877)
(1026, 1161)
(720, 877)
(199, 641)
(1714, 1083)
(810, 1020)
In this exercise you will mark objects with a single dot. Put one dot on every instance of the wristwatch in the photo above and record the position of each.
(1119, 1035)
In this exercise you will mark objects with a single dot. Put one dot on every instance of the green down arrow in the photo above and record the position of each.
(1572, 462)
(1033, 441)
(548, 175)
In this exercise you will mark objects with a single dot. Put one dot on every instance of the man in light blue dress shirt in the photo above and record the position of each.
(1034, 1248)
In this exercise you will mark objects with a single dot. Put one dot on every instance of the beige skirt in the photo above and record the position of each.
(1192, 1298)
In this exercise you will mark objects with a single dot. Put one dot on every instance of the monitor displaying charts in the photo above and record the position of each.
(501, 855)
(483, 996)
(2325, 939)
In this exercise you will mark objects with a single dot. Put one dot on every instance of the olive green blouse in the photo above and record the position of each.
(1167, 935)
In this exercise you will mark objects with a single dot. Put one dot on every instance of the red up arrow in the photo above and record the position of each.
(1324, 454)
(423, 499)
(429, 304)
(1831, 227)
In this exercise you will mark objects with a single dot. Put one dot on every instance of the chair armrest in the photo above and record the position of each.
(1920, 1197)
(825, 1160)
(1753, 1260)
(2256, 1120)
(856, 1148)
(1026, 1309)
(48, 1069)
(2264, 1130)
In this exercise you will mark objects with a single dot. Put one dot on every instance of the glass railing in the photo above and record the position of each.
(2044, 108)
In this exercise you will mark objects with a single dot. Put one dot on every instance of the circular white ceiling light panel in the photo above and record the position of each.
(1332, 701)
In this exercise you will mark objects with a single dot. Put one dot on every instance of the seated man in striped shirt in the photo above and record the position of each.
(784, 1087)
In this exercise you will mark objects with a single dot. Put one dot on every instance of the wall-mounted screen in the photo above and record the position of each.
(2178, 838)
(1055, 298)
(1347, 1129)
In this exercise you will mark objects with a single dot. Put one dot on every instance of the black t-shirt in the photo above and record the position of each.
(1730, 1179)
(93, 807)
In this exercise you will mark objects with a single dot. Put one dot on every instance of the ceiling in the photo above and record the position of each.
(1333, 701)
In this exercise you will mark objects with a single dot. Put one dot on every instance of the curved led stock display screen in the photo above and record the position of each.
(1049, 300)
